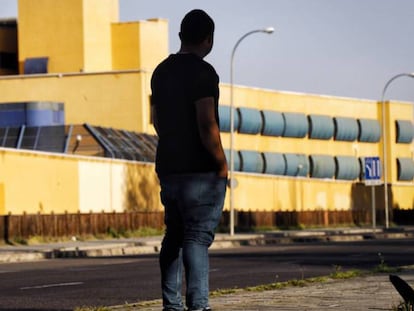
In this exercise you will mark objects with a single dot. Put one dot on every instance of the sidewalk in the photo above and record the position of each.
(148, 245)
(373, 292)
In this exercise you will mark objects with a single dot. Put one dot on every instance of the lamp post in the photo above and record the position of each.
(384, 142)
(267, 30)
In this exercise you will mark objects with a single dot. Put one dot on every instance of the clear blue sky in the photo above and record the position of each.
(346, 48)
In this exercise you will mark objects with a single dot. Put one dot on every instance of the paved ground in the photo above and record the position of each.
(373, 292)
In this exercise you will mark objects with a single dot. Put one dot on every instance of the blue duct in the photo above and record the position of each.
(405, 169)
(296, 164)
(320, 127)
(347, 168)
(273, 123)
(322, 166)
(346, 129)
(251, 161)
(224, 117)
(296, 125)
(369, 130)
(250, 121)
(274, 163)
(405, 131)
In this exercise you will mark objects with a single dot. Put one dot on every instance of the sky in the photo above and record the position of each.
(346, 48)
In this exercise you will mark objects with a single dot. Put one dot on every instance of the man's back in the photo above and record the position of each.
(177, 83)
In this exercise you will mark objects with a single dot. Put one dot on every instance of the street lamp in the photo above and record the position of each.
(267, 30)
(384, 142)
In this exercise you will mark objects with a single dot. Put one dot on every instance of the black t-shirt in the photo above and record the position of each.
(177, 83)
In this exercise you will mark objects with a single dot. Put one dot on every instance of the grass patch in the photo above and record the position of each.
(383, 267)
(225, 291)
(141, 232)
(404, 306)
(338, 274)
(92, 309)
(111, 233)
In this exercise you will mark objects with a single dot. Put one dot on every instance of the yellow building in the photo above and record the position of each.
(294, 152)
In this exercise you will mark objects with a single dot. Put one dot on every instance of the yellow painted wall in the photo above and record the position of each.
(403, 196)
(54, 29)
(125, 44)
(99, 177)
(277, 193)
(153, 43)
(141, 44)
(117, 186)
(74, 34)
(97, 18)
(38, 182)
(2, 200)
(111, 99)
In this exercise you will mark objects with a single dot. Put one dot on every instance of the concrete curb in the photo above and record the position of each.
(129, 247)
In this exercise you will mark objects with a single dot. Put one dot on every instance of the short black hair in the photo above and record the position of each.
(196, 26)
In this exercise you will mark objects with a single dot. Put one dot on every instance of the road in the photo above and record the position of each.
(63, 284)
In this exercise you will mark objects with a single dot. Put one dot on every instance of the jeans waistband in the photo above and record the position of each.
(189, 176)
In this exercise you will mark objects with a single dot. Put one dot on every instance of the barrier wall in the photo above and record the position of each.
(39, 182)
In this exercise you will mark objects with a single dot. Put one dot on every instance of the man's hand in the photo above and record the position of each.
(223, 171)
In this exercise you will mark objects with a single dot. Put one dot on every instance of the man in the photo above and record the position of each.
(190, 162)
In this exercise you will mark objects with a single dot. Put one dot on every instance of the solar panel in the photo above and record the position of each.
(9, 137)
(51, 138)
(29, 138)
(125, 144)
(86, 139)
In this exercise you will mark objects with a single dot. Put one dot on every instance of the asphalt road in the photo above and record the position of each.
(63, 284)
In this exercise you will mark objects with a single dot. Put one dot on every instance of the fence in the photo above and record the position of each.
(67, 225)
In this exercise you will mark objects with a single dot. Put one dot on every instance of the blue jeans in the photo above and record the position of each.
(193, 206)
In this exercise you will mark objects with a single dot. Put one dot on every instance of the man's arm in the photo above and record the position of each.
(210, 132)
(154, 119)
(154, 116)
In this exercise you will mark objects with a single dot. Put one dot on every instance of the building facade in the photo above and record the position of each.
(294, 152)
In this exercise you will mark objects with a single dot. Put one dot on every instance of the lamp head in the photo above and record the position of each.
(269, 30)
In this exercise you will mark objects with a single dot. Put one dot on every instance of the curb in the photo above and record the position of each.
(143, 246)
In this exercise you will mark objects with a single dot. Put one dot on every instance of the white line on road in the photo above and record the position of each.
(52, 285)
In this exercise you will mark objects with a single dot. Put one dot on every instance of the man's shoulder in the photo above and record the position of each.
(165, 62)
(184, 64)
